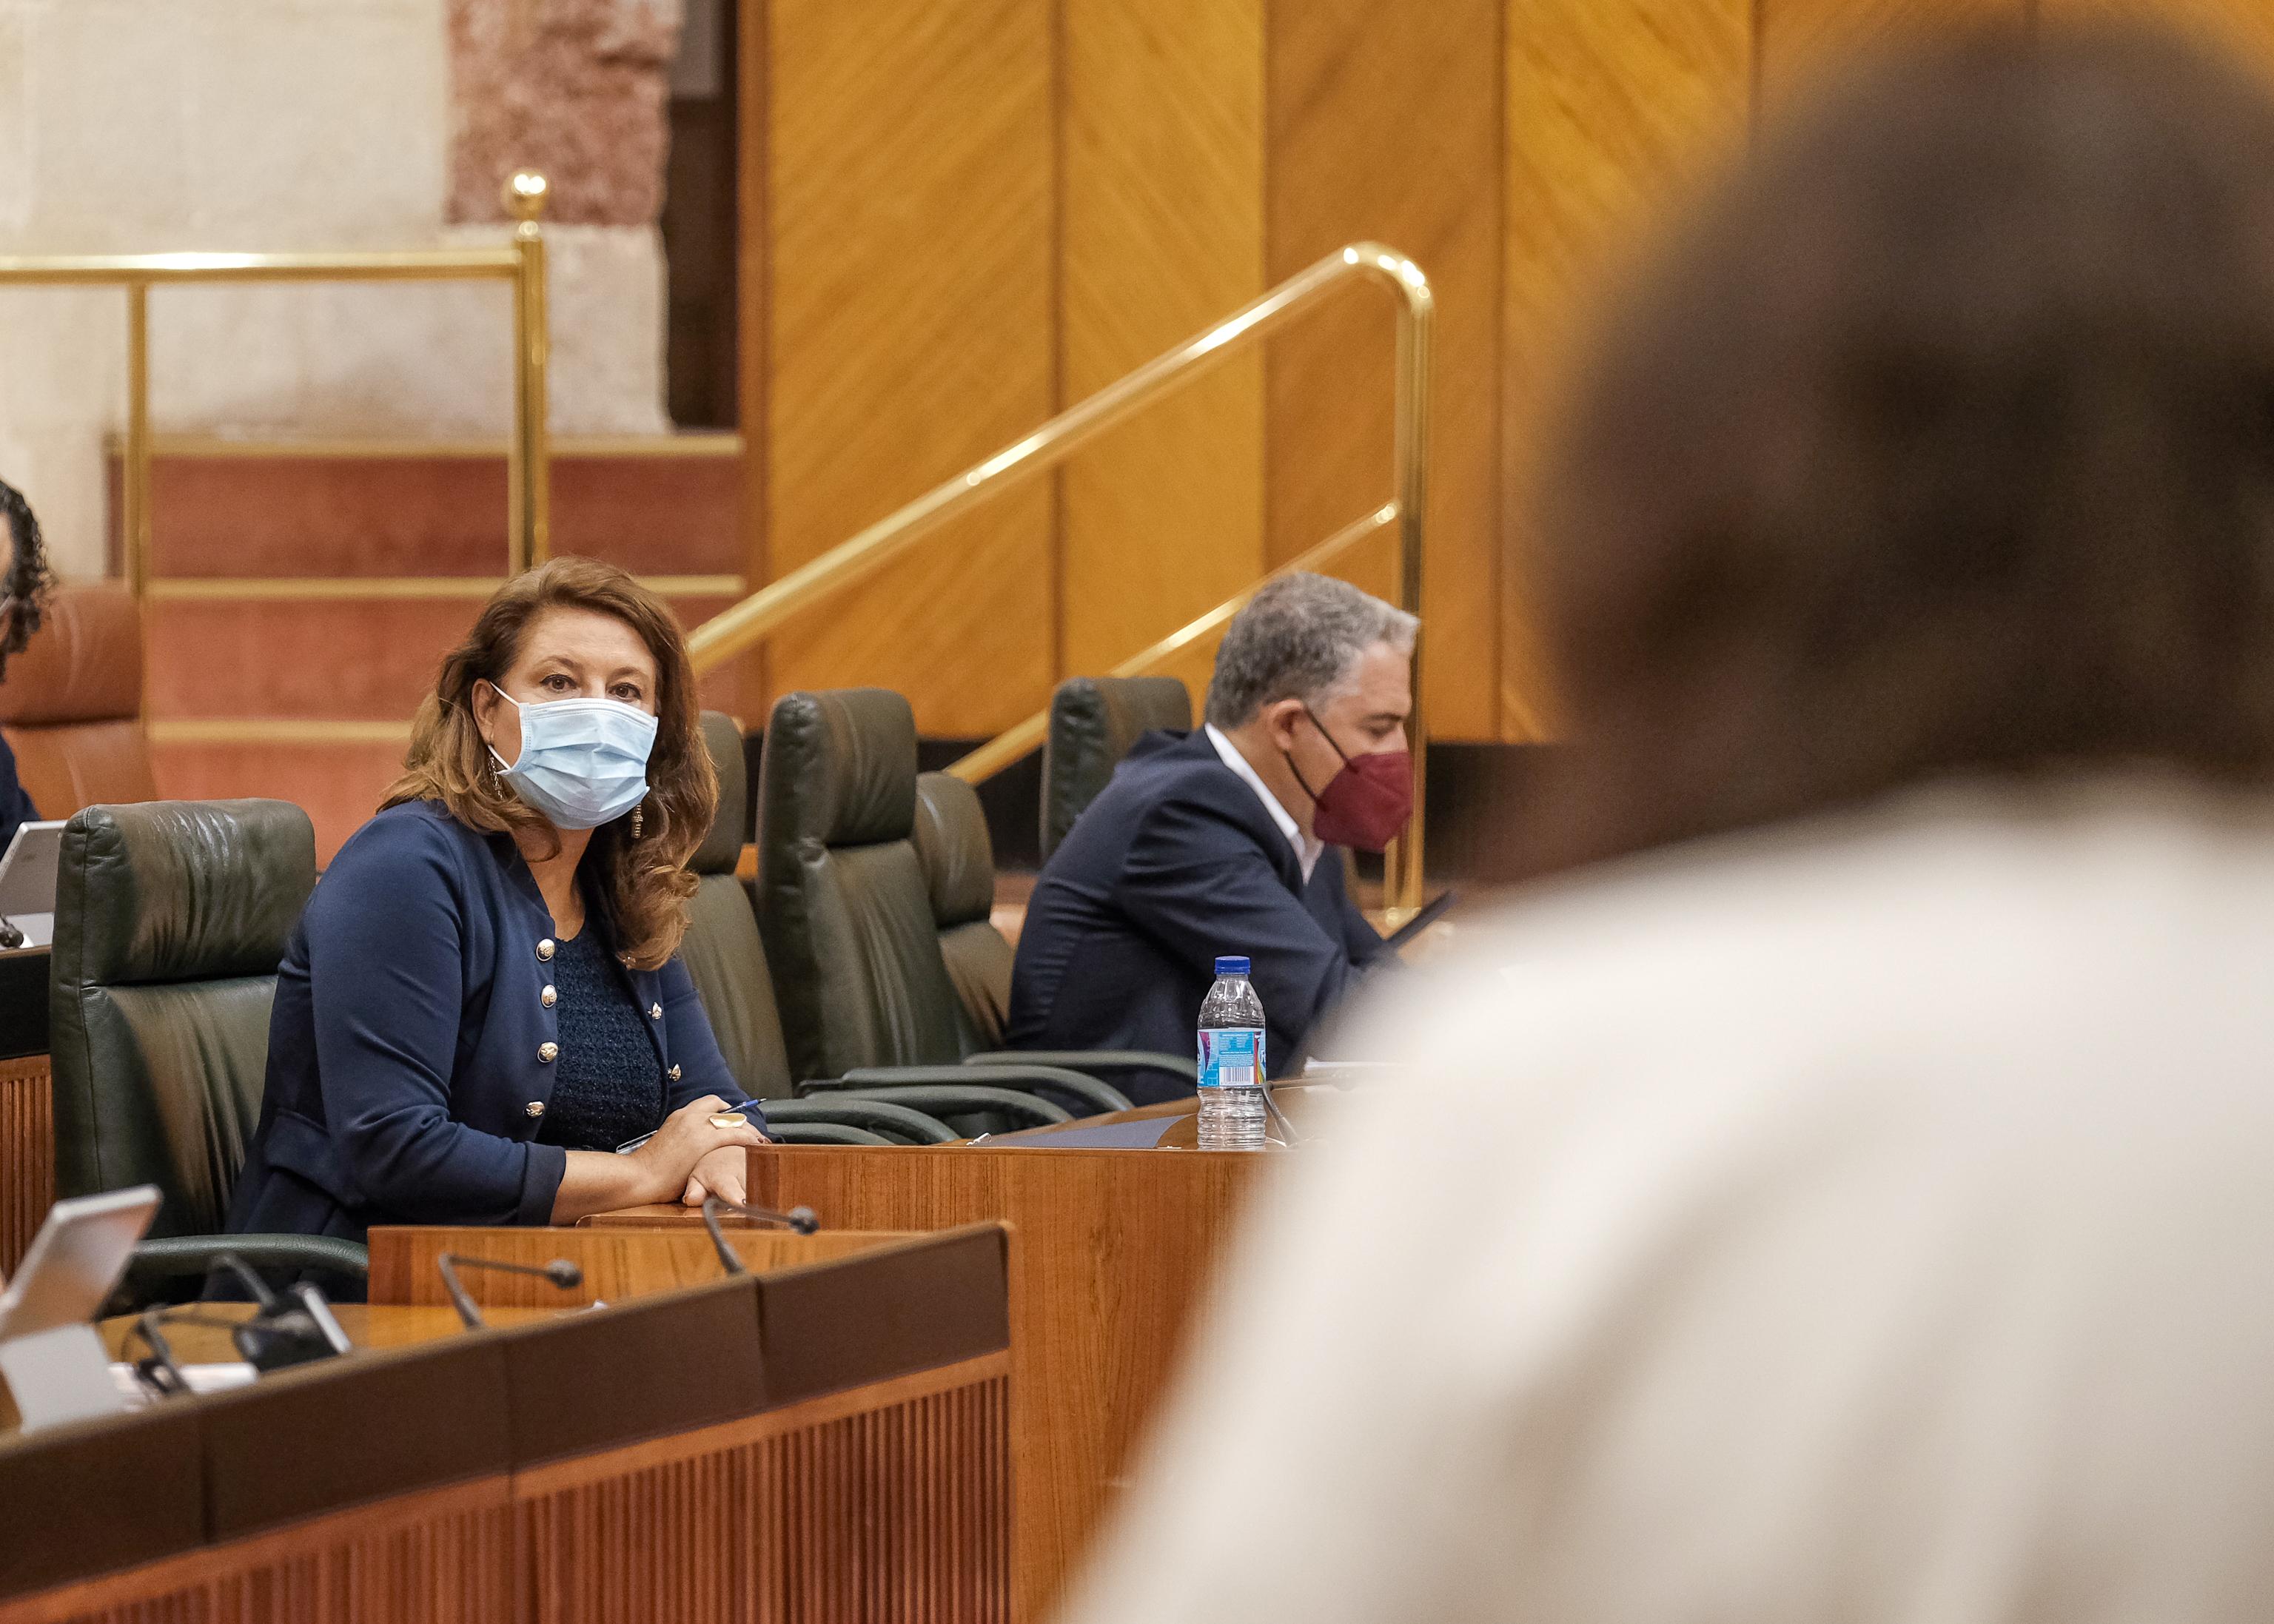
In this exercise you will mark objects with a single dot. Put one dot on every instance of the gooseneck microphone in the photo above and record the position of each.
(561, 1272)
(281, 1333)
(798, 1218)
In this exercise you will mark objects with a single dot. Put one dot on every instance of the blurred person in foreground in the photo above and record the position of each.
(1859, 1205)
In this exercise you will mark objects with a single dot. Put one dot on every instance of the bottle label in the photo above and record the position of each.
(1231, 1058)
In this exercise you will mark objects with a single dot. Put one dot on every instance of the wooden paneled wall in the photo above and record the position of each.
(959, 216)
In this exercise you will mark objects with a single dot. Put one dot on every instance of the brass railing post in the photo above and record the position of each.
(134, 478)
(1402, 874)
(528, 451)
(530, 471)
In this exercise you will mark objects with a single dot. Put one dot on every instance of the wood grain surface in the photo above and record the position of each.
(27, 1154)
(886, 1502)
(896, 1507)
(442, 1556)
(1618, 110)
(1111, 1252)
(617, 1264)
(910, 332)
(1384, 122)
(1161, 234)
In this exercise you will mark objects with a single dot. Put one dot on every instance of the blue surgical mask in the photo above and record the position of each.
(584, 762)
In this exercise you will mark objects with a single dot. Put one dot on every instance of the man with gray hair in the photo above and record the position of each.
(1210, 842)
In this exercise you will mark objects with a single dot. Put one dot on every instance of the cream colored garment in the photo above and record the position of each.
(1871, 1222)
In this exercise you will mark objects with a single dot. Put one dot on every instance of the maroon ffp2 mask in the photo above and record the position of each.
(1367, 803)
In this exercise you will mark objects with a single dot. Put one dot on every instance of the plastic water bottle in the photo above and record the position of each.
(1232, 1061)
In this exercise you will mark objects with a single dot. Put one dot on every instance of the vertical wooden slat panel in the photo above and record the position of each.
(27, 1154)
(910, 332)
(1384, 122)
(453, 1564)
(1161, 233)
(882, 1507)
(1801, 38)
(1615, 109)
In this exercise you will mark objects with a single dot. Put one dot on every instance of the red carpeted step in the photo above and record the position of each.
(309, 698)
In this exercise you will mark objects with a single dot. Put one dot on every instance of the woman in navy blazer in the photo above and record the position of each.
(449, 1045)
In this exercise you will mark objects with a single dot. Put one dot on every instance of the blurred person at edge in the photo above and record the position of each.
(484, 996)
(1850, 1195)
(24, 591)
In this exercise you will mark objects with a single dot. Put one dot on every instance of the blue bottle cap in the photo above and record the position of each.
(1231, 967)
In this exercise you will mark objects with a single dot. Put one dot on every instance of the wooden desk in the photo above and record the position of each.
(28, 1121)
(747, 1447)
(1112, 1251)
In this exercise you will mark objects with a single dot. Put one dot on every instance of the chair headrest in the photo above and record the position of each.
(839, 767)
(180, 890)
(722, 847)
(1094, 720)
(83, 664)
(953, 844)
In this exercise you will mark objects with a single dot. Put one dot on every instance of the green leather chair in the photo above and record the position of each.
(959, 865)
(721, 950)
(844, 907)
(1094, 720)
(847, 908)
(959, 861)
(171, 917)
(727, 963)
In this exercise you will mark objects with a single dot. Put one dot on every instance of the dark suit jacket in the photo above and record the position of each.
(1175, 862)
(404, 1083)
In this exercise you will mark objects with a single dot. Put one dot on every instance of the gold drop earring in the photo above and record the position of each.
(635, 817)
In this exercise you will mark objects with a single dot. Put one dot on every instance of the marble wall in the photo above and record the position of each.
(143, 125)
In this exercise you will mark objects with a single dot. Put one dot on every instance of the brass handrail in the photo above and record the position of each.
(523, 264)
(734, 630)
(1014, 741)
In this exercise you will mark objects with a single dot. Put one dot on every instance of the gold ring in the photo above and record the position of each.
(728, 1119)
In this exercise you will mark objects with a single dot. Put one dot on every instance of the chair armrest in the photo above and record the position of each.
(193, 1254)
(963, 1099)
(1094, 1097)
(890, 1118)
(1093, 1060)
(826, 1133)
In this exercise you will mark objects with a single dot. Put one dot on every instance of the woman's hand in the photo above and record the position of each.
(662, 1170)
(722, 1173)
(686, 1140)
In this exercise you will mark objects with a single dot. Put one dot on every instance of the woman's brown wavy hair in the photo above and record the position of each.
(645, 884)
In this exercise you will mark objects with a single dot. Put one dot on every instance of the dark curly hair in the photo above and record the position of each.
(28, 581)
(1940, 441)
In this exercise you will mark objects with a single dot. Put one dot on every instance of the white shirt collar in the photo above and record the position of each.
(1306, 847)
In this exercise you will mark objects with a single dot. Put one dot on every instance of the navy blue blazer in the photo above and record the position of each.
(16, 808)
(406, 1078)
(1176, 861)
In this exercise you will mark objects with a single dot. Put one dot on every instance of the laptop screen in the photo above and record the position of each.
(75, 1260)
(27, 870)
